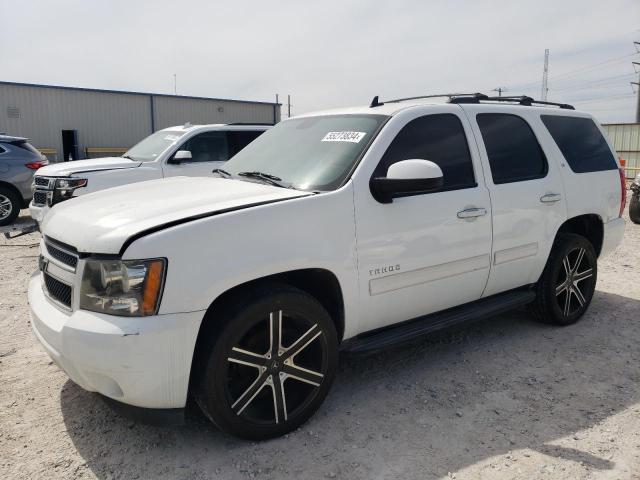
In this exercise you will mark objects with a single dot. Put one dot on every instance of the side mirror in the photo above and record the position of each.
(407, 177)
(180, 156)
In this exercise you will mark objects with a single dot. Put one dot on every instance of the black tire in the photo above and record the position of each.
(10, 204)
(634, 208)
(568, 281)
(246, 399)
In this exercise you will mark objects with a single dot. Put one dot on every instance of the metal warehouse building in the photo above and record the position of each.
(626, 140)
(69, 122)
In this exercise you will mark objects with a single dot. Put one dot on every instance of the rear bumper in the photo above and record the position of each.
(144, 362)
(613, 233)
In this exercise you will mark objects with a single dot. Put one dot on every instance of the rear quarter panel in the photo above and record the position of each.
(591, 192)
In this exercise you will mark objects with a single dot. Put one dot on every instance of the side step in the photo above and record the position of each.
(405, 331)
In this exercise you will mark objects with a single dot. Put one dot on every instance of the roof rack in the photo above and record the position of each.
(460, 98)
(521, 100)
(252, 124)
(376, 103)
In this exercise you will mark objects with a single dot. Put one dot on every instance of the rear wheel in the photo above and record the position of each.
(568, 282)
(271, 365)
(634, 208)
(9, 206)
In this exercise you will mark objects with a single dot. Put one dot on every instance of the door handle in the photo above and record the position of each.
(550, 198)
(472, 212)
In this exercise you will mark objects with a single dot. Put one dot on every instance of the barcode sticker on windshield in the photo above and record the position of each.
(353, 137)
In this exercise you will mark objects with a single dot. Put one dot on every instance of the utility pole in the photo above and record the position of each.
(175, 84)
(545, 76)
(288, 106)
(499, 90)
(637, 84)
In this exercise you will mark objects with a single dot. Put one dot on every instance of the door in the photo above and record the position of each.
(70, 145)
(526, 195)
(428, 252)
(209, 150)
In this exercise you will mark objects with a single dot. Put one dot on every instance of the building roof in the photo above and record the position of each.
(126, 92)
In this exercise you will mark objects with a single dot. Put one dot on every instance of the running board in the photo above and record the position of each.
(405, 331)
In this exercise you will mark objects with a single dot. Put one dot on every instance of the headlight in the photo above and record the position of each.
(66, 186)
(129, 288)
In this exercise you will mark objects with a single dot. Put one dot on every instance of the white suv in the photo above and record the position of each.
(188, 150)
(349, 230)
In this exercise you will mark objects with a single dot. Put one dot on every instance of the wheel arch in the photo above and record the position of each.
(13, 188)
(320, 283)
(589, 226)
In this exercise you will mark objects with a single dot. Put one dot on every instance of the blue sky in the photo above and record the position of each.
(330, 53)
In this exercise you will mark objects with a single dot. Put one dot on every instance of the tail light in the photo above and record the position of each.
(623, 191)
(36, 165)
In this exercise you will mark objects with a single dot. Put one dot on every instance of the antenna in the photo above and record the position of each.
(175, 84)
(545, 76)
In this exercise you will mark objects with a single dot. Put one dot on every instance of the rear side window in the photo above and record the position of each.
(439, 138)
(581, 143)
(26, 146)
(514, 152)
(239, 139)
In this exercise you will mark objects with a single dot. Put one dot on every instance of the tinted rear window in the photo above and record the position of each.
(581, 143)
(26, 146)
(513, 150)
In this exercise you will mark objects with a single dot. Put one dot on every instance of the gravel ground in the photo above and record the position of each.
(502, 399)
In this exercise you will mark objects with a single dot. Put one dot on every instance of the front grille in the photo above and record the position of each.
(39, 198)
(41, 181)
(62, 255)
(61, 292)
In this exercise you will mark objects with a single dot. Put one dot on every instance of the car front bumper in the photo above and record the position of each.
(138, 361)
(38, 212)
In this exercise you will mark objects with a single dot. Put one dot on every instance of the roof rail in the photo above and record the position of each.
(521, 100)
(376, 103)
(459, 98)
(252, 124)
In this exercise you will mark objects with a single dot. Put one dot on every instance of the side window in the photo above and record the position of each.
(2, 150)
(208, 147)
(581, 143)
(514, 152)
(239, 139)
(439, 138)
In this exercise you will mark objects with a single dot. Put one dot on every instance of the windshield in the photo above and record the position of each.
(151, 147)
(313, 153)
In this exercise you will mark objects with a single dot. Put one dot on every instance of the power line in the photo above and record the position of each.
(593, 83)
(609, 97)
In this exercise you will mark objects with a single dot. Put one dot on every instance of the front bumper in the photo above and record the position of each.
(38, 212)
(144, 362)
(613, 233)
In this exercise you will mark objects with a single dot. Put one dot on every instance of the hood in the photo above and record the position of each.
(103, 221)
(64, 169)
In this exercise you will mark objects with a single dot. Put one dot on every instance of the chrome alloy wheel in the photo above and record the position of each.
(5, 207)
(575, 280)
(276, 368)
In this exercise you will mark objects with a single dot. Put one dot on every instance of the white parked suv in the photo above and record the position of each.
(187, 150)
(349, 230)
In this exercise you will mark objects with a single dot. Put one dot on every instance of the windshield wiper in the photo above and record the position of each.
(129, 157)
(221, 172)
(267, 177)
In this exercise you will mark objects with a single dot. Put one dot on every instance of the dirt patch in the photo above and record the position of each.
(505, 398)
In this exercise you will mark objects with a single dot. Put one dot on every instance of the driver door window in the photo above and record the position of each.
(208, 147)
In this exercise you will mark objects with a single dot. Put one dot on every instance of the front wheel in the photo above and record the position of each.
(9, 206)
(568, 282)
(634, 208)
(271, 364)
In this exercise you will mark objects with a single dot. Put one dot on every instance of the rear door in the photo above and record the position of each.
(427, 252)
(526, 193)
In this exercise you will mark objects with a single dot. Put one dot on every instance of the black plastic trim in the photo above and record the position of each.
(375, 340)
